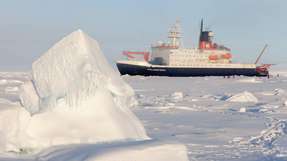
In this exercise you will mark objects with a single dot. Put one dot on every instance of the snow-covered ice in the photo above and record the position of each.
(243, 97)
(70, 83)
(148, 150)
(211, 128)
(3, 81)
(73, 86)
(267, 137)
(67, 111)
(242, 109)
(11, 89)
(177, 95)
(29, 98)
(250, 80)
(74, 101)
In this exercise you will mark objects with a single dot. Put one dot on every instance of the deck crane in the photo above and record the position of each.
(129, 54)
(261, 53)
(264, 67)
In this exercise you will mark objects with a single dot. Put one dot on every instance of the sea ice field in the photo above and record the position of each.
(241, 118)
(73, 106)
(216, 118)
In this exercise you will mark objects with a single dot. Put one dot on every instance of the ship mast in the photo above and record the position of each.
(175, 34)
(200, 34)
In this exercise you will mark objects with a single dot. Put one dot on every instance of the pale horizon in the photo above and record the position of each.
(30, 28)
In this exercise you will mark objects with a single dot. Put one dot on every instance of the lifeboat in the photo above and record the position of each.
(213, 57)
(226, 56)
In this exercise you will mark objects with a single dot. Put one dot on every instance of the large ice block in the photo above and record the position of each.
(76, 97)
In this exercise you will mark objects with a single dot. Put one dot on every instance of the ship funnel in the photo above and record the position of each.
(205, 38)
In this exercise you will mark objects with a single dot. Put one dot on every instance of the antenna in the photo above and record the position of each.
(201, 25)
(261, 53)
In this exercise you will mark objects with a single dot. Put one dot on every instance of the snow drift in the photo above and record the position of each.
(243, 97)
(147, 150)
(74, 97)
(250, 80)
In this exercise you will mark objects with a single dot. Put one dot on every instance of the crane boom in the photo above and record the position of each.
(261, 53)
(130, 54)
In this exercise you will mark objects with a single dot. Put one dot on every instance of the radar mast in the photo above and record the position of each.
(175, 34)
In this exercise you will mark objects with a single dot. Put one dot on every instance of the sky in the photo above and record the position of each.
(29, 28)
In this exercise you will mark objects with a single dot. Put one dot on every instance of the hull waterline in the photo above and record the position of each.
(132, 69)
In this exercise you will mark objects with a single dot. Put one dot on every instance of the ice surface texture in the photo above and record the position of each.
(29, 97)
(75, 97)
(75, 69)
(243, 97)
(270, 135)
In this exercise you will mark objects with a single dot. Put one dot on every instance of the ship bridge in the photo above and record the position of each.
(172, 53)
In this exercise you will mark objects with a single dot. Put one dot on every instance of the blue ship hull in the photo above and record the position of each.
(132, 69)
